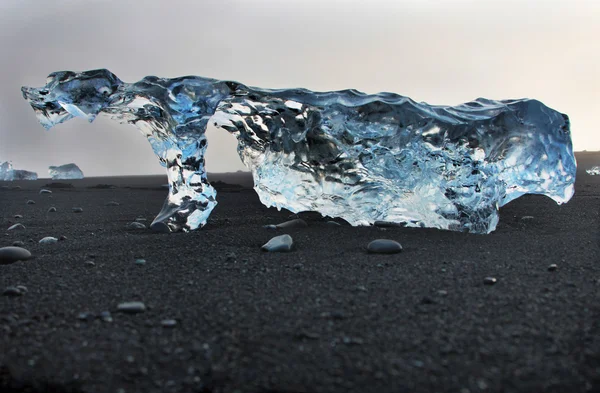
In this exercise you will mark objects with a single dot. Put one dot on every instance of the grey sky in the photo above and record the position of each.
(441, 52)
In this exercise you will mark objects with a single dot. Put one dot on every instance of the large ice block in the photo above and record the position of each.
(8, 173)
(66, 171)
(364, 158)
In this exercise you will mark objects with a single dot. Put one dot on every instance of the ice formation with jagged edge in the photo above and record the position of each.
(595, 170)
(65, 172)
(360, 157)
(7, 173)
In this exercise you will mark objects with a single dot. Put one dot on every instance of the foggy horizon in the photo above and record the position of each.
(443, 53)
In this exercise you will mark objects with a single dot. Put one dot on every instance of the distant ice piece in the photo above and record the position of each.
(595, 170)
(7, 173)
(67, 171)
(360, 157)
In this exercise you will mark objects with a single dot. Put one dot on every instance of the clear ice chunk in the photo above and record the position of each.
(8, 173)
(595, 170)
(360, 157)
(63, 172)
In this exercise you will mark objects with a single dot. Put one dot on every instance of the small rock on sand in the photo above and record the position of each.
(12, 292)
(48, 240)
(77, 210)
(44, 191)
(16, 226)
(132, 307)
(13, 254)
(160, 227)
(31, 202)
(52, 210)
(135, 225)
(384, 246)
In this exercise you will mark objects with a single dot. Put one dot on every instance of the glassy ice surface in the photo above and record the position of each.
(67, 171)
(364, 158)
(7, 173)
(595, 170)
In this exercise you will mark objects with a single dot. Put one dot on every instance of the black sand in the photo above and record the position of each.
(327, 317)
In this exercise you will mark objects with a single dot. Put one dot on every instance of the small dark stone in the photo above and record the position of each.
(62, 237)
(427, 300)
(552, 267)
(77, 210)
(13, 254)
(489, 280)
(106, 316)
(89, 263)
(52, 210)
(18, 216)
(132, 307)
(31, 202)
(18, 243)
(160, 227)
(168, 323)
(12, 292)
(384, 246)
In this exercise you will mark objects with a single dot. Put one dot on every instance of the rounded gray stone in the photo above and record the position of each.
(16, 226)
(384, 246)
(131, 307)
(282, 243)
(77, 210)
(31, 202)
(48, 240)
(160, 227)
(297, 223)
(135, 225)
(52, 210)
(552, 267)
(13, 254)
(12, 292)
(490, 280)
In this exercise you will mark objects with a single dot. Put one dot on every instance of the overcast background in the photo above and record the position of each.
(440, 52)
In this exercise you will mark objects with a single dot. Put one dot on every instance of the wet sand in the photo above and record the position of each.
(326, 317)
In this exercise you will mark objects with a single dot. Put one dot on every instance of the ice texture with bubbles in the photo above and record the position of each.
(8, 173)
(595, 170)
(66, 171)
(360, 157)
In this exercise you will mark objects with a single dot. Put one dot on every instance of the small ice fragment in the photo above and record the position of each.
(595, 170)
(282, 243)
(48, 240)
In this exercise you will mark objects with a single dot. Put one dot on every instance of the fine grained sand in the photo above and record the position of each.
(327, 317)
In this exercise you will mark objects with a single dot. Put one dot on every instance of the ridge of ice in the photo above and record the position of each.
(360, 157)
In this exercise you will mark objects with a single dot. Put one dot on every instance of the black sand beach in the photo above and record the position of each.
(326, 317)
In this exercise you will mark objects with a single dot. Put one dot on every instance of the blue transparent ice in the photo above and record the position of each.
(364, 158)
(8, 173)
(63, 172)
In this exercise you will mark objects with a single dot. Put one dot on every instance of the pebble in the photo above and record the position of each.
(52, 210)
(140, 261)
(30, 202)
(89, 263)
(16, 226)
(77, 210)
(384, 246)
(12, 291)
(387, 224)
(62, 237)
(105, 316)
(169, 323)
(83, 316)
(48, 240)
(297, 223)
(112, 203)
(282, 243)
(489, 280)
(18, 216)
(131, 307)
(552, 267)
(13, 254)
(22, 288)
(160, 227)
(18, 243)
(135, 225)
(44, 191)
